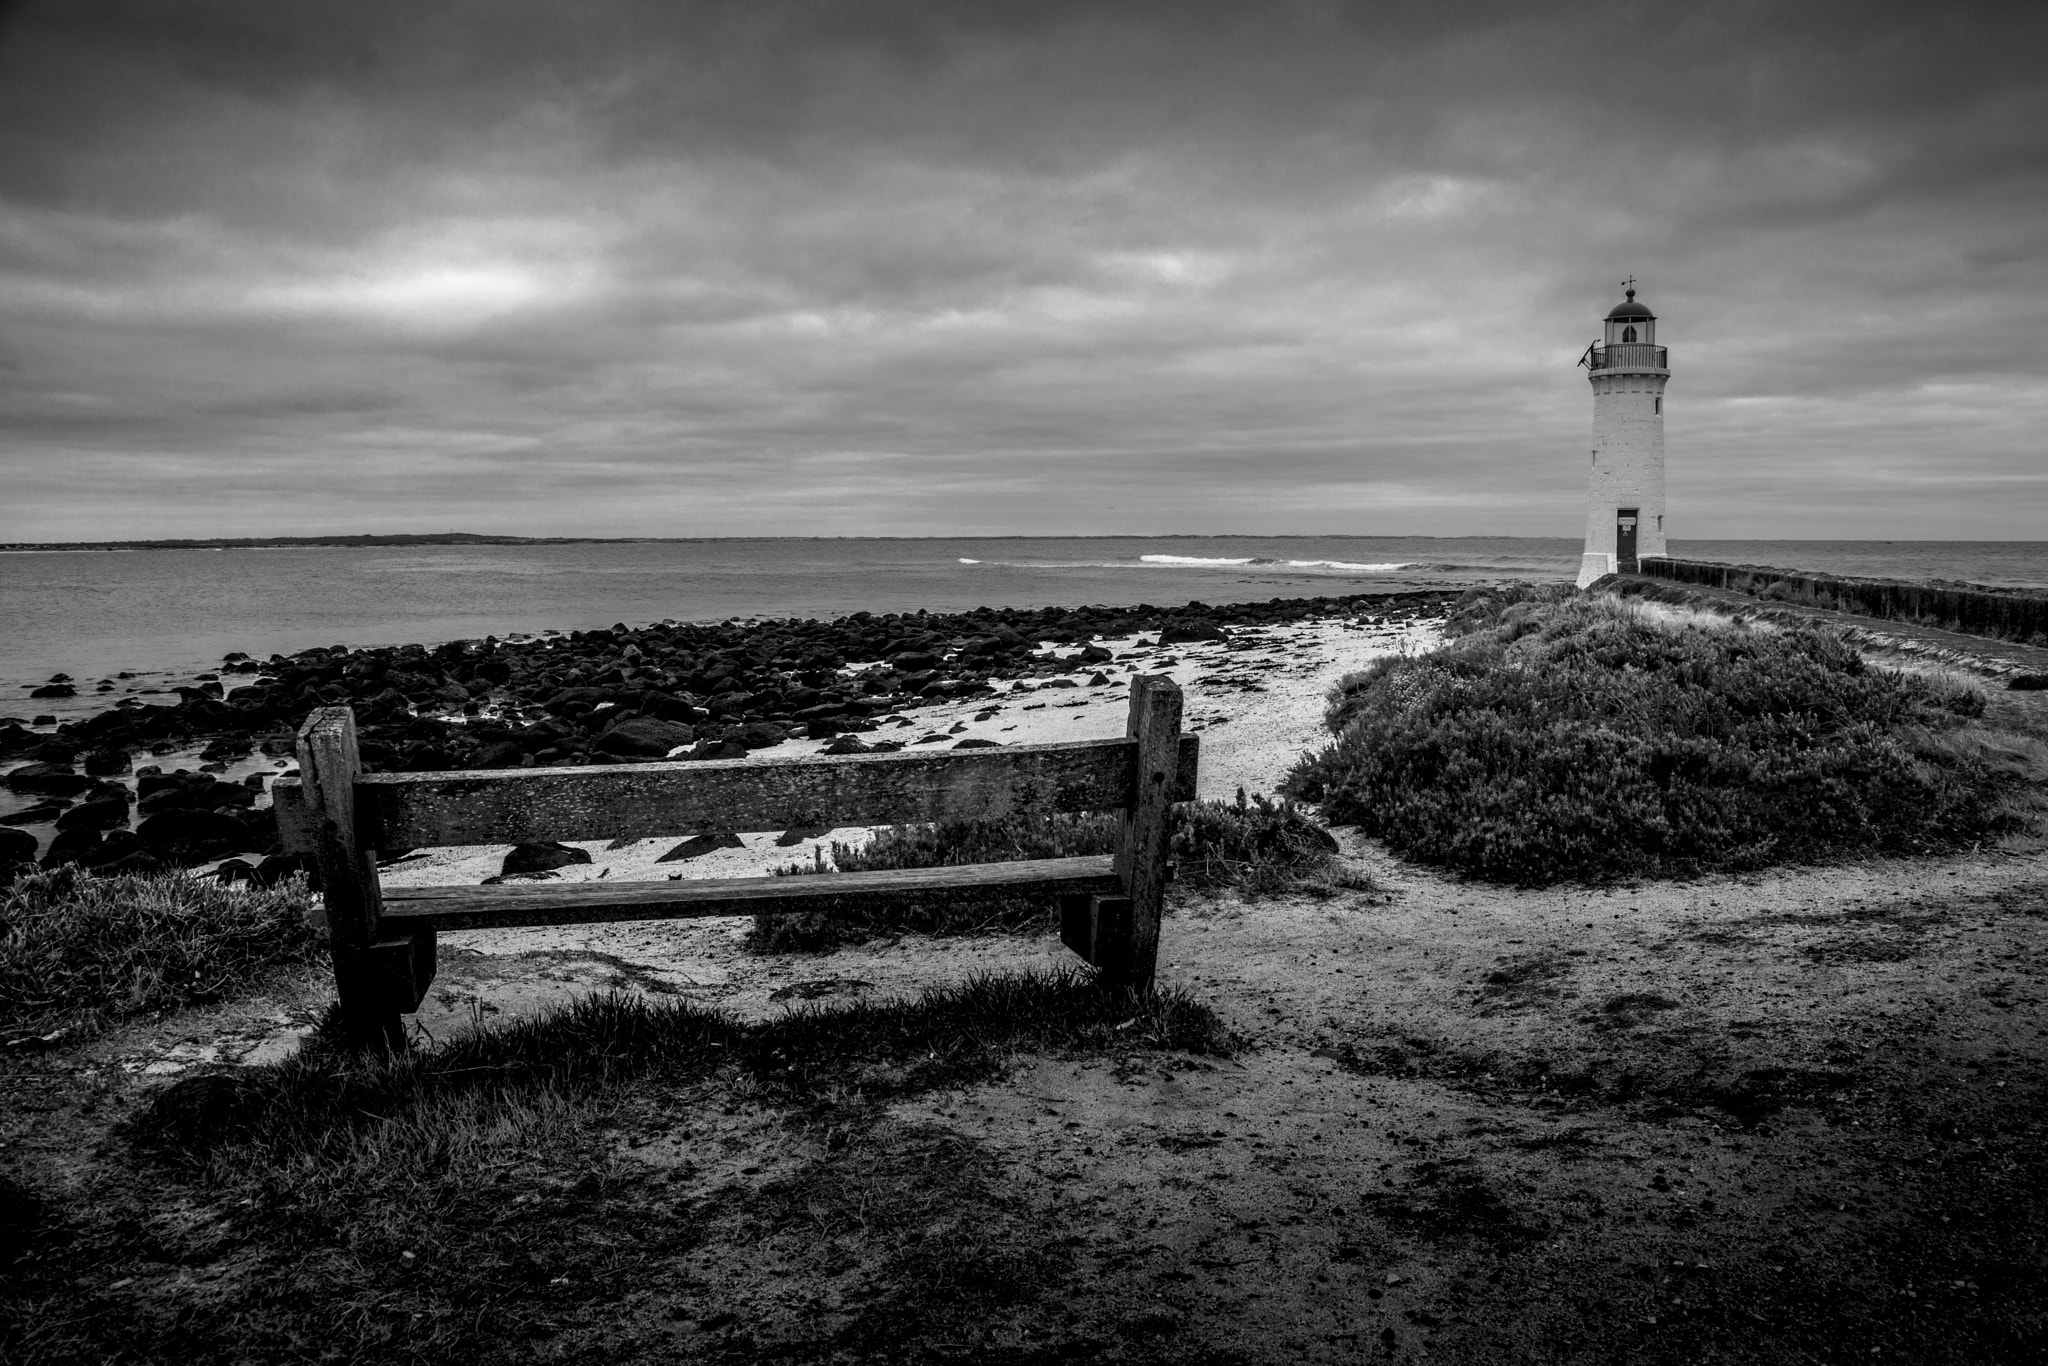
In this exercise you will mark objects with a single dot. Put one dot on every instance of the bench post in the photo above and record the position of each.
(328, 767)
(1130, 954)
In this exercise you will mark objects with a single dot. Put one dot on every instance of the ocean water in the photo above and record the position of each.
(165, 614)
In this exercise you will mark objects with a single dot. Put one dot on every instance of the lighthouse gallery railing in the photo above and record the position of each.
(1625, 356)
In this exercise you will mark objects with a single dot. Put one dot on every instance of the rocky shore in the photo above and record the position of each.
(667, 690)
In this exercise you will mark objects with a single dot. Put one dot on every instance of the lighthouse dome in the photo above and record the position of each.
(1629, 309)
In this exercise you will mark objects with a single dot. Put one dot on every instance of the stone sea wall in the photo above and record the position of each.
(2003, 614)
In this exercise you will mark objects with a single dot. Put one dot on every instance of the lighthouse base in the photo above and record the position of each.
(1594, 565)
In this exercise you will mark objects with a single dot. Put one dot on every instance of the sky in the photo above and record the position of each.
(876, 268)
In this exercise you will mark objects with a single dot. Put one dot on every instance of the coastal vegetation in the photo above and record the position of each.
(1254, 845)
(78, 952)
(1559, 738)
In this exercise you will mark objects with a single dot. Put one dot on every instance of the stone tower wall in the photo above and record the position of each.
(1627, 467)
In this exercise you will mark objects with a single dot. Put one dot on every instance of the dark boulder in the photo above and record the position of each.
(71, 846)
(193, 836)
(699, 845)
(916, 661)
(717, 749)
(111, 760)
(54, 690)
(42, 813)
(974, 742)
(1188, 632)
(122, 847)
(48, 780)
(541, 858)
(101, 814)
(17, 850)
(644, 736)
(2027, 683)
(846, 744)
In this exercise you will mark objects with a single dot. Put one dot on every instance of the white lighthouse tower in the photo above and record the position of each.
(1625, 490)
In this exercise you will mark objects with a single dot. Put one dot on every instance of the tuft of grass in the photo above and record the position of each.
(942, 845)
(328, 1111)
(1257, 846)
(1260, 847)
(79, 951)
(1591, 739)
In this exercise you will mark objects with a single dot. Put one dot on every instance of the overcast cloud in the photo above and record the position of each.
(850, 268)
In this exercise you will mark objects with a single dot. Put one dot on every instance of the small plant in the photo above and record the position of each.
(1255, 845)
(79, 951)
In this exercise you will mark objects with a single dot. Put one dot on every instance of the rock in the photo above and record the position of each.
(122, 847)
(541, 858)
(799, 834)
(975, 742)
(1186, 632)
(54, 690)
(644, 736)
(192, 836)
(102, 814)
(1096, 654)
(916, 661)
(45, 719)
(103, 762)
(2027, 683)
(17, 850)
(699, 845)
(42, 813)
(846, 744)
(71, 846)
(47, 779)
(235, 870)
(718, 749)
(823, 728)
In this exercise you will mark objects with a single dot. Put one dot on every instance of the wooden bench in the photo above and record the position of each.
(383, 941)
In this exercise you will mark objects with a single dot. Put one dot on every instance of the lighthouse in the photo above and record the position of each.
(1625, 487)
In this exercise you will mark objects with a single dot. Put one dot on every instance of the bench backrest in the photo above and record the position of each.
(341, 816)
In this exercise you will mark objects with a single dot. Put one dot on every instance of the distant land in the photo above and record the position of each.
(283, 542)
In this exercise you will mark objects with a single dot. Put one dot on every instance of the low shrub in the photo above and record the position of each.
(1588, 739)
(1256, 845)
(78, 951)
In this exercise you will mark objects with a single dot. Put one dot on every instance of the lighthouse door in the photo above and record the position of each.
(1625, 540)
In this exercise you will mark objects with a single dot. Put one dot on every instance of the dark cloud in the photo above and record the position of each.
(843, 267)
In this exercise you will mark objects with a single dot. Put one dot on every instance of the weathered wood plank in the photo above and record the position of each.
(330, 769)
(509, 806)
(1143, 844)
(508, 905)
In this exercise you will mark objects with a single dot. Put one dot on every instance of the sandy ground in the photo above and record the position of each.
(1782, 1117)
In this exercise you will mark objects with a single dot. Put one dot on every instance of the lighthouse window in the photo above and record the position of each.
(1657, 406)
(1628, 334)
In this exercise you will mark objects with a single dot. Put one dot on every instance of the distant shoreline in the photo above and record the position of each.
(368, 541)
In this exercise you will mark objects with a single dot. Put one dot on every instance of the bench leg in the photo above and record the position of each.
(329, 765)
(1147, 831)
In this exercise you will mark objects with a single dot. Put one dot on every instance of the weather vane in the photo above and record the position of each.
(1630, 285)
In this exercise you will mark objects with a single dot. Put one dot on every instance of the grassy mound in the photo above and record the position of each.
(77, 951)
(1591, 739)
(1256, 845)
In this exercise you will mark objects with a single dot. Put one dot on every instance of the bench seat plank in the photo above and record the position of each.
(517, 805)
(511, 904)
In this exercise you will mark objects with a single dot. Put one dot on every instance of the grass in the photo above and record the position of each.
(1590, 739)
(78, 952)
(1257, 846)
(329, 1106)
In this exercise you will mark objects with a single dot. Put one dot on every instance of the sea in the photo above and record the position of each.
(163, 615)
